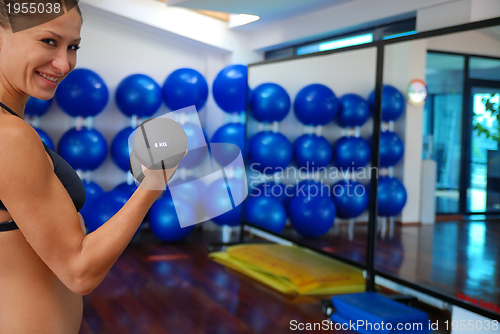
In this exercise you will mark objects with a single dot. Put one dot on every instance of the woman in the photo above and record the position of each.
(46, 261)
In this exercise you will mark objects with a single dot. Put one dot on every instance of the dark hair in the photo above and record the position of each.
(28, 20)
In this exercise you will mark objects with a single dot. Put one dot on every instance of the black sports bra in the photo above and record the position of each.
(65, 173)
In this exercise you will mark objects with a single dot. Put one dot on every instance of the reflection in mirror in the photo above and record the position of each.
(442, 125)
(450, 166)
(308, 153)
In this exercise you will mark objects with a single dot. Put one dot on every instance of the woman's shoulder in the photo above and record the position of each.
(18, 137)
(15, 128)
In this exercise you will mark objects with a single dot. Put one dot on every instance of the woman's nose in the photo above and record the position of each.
(61, 61)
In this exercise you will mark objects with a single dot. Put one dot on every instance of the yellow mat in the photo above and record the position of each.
(291, 269)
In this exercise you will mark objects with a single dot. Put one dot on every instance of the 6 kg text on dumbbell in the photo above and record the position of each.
(162, 144)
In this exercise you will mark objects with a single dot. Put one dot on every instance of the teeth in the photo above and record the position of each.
(48, 78)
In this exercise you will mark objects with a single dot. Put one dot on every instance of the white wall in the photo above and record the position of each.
(115, 50)
(404, 62)
(455, 13)
(193, 26)
(187, 26)
(474, 42)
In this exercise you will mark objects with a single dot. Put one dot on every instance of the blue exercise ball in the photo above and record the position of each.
(391, 149)
(230, 88)
(265, 212)
(197, 146)
(311, 217)
(120, 150)
(351, 152)
(37, 107)
(312, 151)
(164, 219)
(126, 188)
(218, 204)
(316, 104)
(391, 196)
(311, 189)
(190, 189)
(249, 96)
(45, 138)
(185, 87)
(103, 208)
(138, 94)
(84, 149)
(92, 191)
(350, 198)
(282, 192)
(393, 103)
(269, 151)
(306, 189)
(354, 111)
(270, 103)
(233, 135)
(82, 93)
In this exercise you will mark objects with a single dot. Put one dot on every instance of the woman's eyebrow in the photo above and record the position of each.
(53, 33)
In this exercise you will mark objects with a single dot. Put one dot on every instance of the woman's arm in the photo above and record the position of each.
(82, 223)
(100, 249)
(45, 213)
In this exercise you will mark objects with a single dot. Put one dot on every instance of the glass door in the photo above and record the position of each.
(483, 192)
(442, 126)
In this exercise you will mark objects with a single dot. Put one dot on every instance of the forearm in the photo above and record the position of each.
(101, 248)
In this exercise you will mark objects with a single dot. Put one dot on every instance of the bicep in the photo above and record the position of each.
(39, 204)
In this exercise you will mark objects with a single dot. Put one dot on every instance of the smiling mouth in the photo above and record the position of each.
(45, 76)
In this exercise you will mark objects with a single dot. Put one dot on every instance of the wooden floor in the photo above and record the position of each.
(159, 288)
(175, 288)
(458, 258)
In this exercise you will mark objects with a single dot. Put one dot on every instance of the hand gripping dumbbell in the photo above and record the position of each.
(159, 143)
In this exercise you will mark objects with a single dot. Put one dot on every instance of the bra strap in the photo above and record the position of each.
(9, 110)
(8, 226)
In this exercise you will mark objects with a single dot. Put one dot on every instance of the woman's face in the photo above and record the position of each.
(34, 61)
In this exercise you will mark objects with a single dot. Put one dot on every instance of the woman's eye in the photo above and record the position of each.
(52, 42)
(49, 41)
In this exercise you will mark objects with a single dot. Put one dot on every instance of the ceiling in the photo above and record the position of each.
(268, 10)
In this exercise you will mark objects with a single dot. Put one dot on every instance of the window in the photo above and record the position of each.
(388, 31)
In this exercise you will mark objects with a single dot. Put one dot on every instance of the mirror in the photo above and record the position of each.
(450, 166)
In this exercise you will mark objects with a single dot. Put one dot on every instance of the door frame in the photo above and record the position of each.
(467, 113)
(468, 103)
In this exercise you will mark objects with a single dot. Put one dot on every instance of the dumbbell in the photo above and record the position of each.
(159, 143)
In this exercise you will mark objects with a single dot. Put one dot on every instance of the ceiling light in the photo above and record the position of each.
(236, 20)
(345, 42)
(335, 44)
(408, 33)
